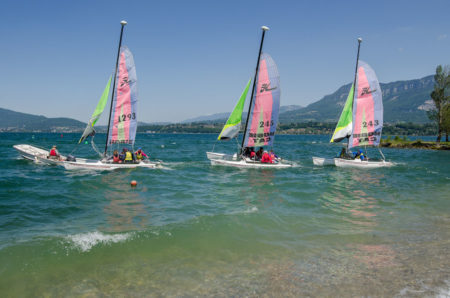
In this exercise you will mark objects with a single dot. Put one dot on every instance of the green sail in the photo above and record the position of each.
(97, 113)
(233, 125)
(344, 126)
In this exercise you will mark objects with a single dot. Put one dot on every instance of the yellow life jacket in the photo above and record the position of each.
(139, 155)
(128, 156)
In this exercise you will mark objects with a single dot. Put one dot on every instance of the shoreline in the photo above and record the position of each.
(417, 144)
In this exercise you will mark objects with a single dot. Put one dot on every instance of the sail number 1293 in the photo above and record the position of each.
(126, 117)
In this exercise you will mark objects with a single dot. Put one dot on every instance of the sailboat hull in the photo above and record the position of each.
(222, 156)
(361, 164)
(107, 166)
(36, 154)
(246, 164)
(321, 161)
(222, 159)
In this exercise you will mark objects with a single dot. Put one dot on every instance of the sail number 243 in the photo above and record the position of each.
(126, 117)
(370, 123)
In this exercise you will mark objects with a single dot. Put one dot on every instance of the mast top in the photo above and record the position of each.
(359, 39)
(123, 23)
(265, 28)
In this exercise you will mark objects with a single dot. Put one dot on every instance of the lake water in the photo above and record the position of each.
(196, 230)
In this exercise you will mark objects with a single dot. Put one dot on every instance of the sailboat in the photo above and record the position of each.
(361, 120)
(262, 117)
(122, 124)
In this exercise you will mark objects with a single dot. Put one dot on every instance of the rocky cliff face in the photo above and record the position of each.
(402, 101)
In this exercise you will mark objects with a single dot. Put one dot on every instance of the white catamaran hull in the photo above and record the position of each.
(321, 161)
(37, 154)
(223, 156)
(361, 164)
(106, 166)
(221, 159)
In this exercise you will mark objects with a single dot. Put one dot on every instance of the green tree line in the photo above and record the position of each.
(426, 129)
(440, 114)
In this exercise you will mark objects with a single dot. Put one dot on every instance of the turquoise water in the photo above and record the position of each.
(196, 230)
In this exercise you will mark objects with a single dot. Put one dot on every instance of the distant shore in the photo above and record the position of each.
(417, 144)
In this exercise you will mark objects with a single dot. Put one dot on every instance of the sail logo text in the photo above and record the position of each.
(367, 90)
(121, 142)
(265, 87)
(125, 81)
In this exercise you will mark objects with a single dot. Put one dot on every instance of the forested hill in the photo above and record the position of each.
(16, 121)
(403, 101)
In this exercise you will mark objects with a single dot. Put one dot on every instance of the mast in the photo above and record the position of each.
(354, 86)
(264, 29)
(123, 23)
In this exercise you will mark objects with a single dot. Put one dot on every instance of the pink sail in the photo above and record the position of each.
(266, 104)
(367, 109)
(124, 117)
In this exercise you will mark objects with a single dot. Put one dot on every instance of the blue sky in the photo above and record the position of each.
(195, 57)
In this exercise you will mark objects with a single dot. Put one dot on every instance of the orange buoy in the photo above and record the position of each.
(133, 183)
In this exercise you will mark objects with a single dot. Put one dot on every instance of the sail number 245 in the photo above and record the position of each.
(267, 123)
(126, 117)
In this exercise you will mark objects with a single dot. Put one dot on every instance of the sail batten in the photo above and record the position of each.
(89, 130)
(123, 123)
(263, 117)
(233, 124)
(367, 109)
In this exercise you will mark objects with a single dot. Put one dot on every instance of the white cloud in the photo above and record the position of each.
(442, 37)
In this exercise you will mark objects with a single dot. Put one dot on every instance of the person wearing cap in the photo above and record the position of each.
(54, 154)
(140, 155)
(266, 158)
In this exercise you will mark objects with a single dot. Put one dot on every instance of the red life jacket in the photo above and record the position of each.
(266, 158)
(53, 152)
(116, 158)
(252, 154)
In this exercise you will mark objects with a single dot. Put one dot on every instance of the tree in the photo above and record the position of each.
(441, 98)
(446, 120)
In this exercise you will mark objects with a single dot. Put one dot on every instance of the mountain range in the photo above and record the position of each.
(403, 101)
(224, 116)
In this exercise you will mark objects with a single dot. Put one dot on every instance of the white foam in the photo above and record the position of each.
(252, 209)
(86, 241)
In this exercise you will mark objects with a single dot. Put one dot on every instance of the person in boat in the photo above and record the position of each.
(259, 153)
(344, 154)
(266, 158)
(122, 155)
(359, 154)
(140, 155)
(129, 156)
(246, 152)
(273, 156)
(116, 157)
(54, 154)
